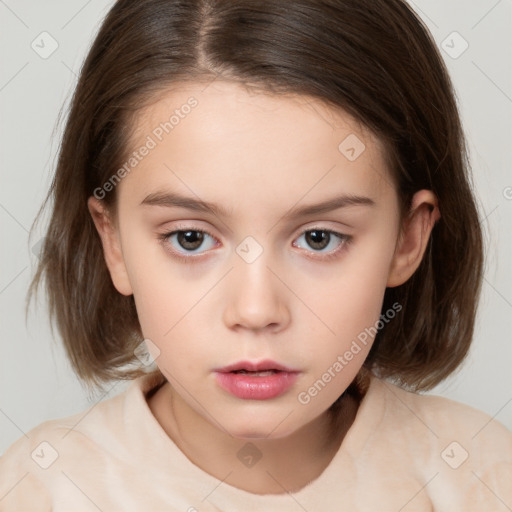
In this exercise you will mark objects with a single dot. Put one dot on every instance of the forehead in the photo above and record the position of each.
(221, 141)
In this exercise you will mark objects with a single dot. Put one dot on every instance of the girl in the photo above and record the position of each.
(262, 215)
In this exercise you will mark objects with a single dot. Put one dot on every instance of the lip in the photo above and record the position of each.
(254, 387)
(250, 366)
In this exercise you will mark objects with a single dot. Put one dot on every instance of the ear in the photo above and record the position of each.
(112, 252)
(414, 237)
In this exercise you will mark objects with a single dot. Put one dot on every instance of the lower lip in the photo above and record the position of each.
(249, 387)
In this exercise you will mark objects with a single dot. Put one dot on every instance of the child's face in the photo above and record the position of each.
(257, 287)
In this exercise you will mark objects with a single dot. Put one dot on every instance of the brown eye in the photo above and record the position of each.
(190, 240)
(318, 239)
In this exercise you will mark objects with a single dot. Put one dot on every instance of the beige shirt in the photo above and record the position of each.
(404, 452)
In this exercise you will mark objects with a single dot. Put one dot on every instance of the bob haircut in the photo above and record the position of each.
(375, 59)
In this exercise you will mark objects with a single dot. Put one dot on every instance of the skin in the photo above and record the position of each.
(259, 156)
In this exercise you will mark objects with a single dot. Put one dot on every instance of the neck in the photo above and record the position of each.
(259, 466)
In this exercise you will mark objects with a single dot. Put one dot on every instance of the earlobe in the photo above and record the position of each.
(414, 238)
(111, 246)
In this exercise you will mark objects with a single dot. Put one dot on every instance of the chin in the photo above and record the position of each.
(251, 434)
(261, 426)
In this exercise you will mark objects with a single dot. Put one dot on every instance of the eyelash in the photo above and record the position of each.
(345, 240)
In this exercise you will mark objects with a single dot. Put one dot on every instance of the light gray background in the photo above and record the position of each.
(36, 383)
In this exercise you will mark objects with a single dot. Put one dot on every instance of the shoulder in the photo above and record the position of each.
(19, 482)
(441, 416)
(450, 444)
(39, 466)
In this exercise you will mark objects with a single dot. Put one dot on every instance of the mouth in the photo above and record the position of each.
(263, 373)
(256, 381)
(250, 367)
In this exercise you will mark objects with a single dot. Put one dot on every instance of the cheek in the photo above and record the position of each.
(351, 311)
(350, 308)
(349, 295)
(157, 292)
(171, 302)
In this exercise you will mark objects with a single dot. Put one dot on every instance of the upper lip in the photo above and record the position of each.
(252, 366)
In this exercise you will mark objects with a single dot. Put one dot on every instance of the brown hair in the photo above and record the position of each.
(373, 58)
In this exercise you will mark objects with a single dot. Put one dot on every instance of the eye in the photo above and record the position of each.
(182, 243)
(185, 243)
(319, 239)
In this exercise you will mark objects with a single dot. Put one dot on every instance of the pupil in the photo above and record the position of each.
(316, 238)
(193, 239)
(190, 239)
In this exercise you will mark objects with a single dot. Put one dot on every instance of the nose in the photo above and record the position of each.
(257, 297)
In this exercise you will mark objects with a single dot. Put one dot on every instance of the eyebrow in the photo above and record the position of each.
(172, 199)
